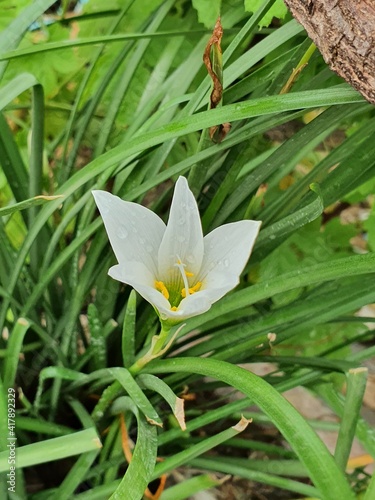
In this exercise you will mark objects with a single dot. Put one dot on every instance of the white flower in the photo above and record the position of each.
(176, 269)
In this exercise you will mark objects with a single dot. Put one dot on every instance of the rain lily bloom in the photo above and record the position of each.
(176, 269)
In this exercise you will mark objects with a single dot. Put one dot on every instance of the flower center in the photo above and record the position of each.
(178, 288)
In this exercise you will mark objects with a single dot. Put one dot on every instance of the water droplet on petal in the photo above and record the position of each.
(122, 232)
(190, 258)
(181, 221)
(180, 238)
(226, 262)
(141, 240)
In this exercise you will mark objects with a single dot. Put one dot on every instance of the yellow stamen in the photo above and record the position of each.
(174, 308)
(159, 285)
(192, 290)
(189, 275)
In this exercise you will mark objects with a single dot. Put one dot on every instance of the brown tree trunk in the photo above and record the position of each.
(344, 32)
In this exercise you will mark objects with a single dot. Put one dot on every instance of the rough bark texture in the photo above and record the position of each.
(344, 32)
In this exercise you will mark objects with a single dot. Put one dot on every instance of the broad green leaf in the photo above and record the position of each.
(208, 11)
(277, 10)
(12, 34)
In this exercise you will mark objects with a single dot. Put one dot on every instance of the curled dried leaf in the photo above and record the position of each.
(242, 424)
(179, 413)
(153, 422)
(212, 58)
(214, 64)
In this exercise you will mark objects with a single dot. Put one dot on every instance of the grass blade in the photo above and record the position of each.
(142, 465)
(356, 385)
(128, 331)
(31, 202)
(322, 469)
(54, 449)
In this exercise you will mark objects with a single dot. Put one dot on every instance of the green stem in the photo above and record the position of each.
(297, 70)
(156, 349)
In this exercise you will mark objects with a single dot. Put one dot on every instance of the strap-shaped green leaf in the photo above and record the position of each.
(53, 449)
(141, 467)
(156, 384)
(12, 35)
(320, 464)
(15, 87)
(122, 377)
(31, 202)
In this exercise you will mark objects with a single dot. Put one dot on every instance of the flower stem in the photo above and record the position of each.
(155, 350)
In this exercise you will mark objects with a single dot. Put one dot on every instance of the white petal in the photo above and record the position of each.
(226, 251)
(193, 305)
(219, 285)
(135, 233)
(132, 272)
(141, 279)
(183, 238)
(188, 308)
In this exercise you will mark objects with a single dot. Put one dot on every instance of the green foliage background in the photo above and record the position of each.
(116, 98)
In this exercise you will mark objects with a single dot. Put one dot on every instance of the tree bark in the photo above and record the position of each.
(344, 32)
